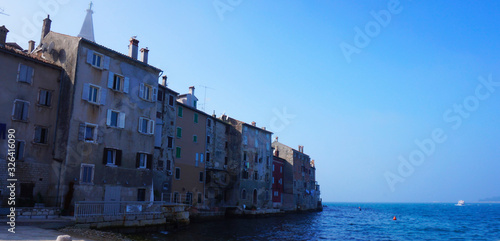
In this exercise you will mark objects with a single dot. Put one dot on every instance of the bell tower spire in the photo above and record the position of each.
(87, 30)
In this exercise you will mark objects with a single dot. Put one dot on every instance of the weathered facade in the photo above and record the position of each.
(302, 171)
(251, 158)
(163, 164)
(277, 181)
(105, 135)
(190, 152)
(30, 94)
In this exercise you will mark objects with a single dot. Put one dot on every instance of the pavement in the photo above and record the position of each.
(37, 229)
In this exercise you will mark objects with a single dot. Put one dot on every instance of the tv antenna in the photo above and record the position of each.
(205, 98)
(2, 12)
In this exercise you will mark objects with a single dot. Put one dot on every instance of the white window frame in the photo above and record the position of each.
(47, 101)
(23, 118)
(143, 159)
(120, 119)
(82, 166)
(37, 127)
(97, 94)
(148, 92)
(120, 80)
(113, 157)
(94, 56)
(29, 76)
(149, 128)
(94, 135)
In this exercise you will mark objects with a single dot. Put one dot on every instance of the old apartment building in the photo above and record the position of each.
(30, 93)
(106, 127)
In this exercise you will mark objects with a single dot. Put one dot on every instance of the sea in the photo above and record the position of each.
(354, 221)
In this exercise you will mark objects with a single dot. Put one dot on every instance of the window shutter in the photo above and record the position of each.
(108, 117)
(151, 127)
(111, 76)
(103, 96)
(18, 71)
(149, 162)
(38, 133)
(105, 156)
(21, 149)
(90, 55)
(81, 132)
(118, 161)
(121, 120)
(85, 93)
(25, 110)
(99, 137)
(106, 62)
(141, 91)
(140, 124)
(155, 94)
(125, 84)
(137, 160)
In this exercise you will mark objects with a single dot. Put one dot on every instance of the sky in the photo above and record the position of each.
(396, 101)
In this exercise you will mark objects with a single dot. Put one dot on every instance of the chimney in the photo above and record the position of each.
(133, 47)
(263, 128)
(253, 123)
(3, 35)
(144, 55)
(45, 27)
(164, 82)
(31, 46)
(191, 90)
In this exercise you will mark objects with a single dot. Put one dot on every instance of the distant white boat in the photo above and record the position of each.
(460, 203)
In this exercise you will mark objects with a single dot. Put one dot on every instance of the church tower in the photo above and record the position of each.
(87, 30)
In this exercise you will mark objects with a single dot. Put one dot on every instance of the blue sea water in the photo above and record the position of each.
(344, 221)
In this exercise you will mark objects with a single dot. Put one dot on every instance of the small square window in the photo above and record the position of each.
(41, 135)
(90, 134)
(97, 60)
(87, 173)
(146, 126)
(20, 111)
(25, 74)
(44, 97)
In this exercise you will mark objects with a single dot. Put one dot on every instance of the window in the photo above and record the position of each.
(170, 142)
(273, 167)
(195, 138)
(245, 140)
(118, 82)
(112, 157)
(256, 158)
(94, 94)
(244, 156)
(160, 95)
(20, 110)
(275, 193)
(256, 142)
(146, 126)
(208, 156)
(97, 60)
(178, 152)
(178, 173)
(141, 194)
(44, 97)
(243, 194)
(201, 176)
(256, 175)
(115, 119)
(244, 174)
(90, 134)
(86, 173)
(196, 159)
(170, 100)
(195, 103)
(281, 169)
(144, 160)
(195, 117)
(169, 165)
(41, 135)
(226, 145)
(147, 92)
(179, 111)
(199, 197)
(179, 132)
(209, 122)
(160, 166)
(273, 180)
(208, 139)
(25, 73)
(19, 155)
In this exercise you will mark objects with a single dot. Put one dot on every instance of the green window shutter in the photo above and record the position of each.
(195, 139)
(178, 152)
(195, 118)
(179, 132)
(179, 112)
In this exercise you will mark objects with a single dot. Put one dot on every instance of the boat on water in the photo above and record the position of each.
(460, 203)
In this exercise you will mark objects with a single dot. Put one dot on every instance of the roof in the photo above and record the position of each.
(193, 109)
(166, 88)
(32, 57)
(290, 148)
(243, 123)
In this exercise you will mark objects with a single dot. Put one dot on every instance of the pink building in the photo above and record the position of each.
(277, 181)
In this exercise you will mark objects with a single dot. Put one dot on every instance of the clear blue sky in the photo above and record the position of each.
(355, 118)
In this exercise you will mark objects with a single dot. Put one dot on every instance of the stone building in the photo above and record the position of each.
(163, 165)
(30, 96)
(105, 131)
(299, 177)
(277, 181)
(250, 163)
(190, 151)
(218, 183)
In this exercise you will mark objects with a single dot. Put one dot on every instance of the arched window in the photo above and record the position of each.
(243, 194)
